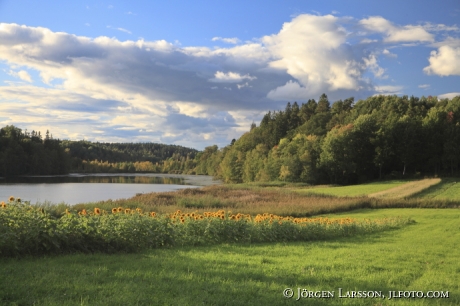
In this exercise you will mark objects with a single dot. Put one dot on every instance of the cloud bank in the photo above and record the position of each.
(109, 90)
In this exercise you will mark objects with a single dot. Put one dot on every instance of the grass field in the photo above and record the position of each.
(354, 190)
(388, 189)
(448, 189)
(420, 257)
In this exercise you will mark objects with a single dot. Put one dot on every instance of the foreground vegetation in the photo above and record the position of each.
(422, 257)
(30, 230)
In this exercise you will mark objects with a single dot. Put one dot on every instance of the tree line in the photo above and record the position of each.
(344, 143)
(29, 153)
(316, 142)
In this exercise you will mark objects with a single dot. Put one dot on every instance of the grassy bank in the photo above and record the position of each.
(422, 257)
(281, 199)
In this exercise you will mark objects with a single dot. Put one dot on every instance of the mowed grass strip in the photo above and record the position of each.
(421, 257)
(448, 189)
(406, 190)
(354, 190)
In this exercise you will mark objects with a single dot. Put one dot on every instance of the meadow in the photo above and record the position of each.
(275, 237)
(421, 257)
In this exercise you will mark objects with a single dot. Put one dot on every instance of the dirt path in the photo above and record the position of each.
(406, 190)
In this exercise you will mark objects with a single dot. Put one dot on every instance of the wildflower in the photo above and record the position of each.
(11, 199)
(83, 212)
(18, 200)
(3, 204)
(120, 209)
(153, 214)
(114, 210)
(127, 211)
(139, 210)
(97, 211)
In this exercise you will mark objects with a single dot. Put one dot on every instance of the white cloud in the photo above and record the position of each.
(160, 91)
(424, 86)
(314, 50)
(230, 77)
(124, 30)
(389, 89)
(233, 40)
(373, 66)
(387, 53)
(291, 91)
(444, 62)
(23, 75)
(449, 95)
(396, 33)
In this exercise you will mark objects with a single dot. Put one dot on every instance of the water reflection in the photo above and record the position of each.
(116, 179)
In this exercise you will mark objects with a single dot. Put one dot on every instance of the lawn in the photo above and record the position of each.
(422, 257)
(448, 189)
(354, 190)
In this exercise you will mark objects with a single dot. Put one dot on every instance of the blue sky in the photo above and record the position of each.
(198, 73)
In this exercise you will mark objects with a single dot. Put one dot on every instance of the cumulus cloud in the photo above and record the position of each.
(373, 66)
(314, 50)
(233, 40)
(192, 95)
(389, 89)
(444, 62)
(449, 95)
(230, 77)
(395, 33)
(387, 53)
(23, 75)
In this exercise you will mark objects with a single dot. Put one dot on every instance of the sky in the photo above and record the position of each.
(198, 73)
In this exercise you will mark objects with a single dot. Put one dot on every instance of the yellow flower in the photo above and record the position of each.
(120, 209)
(127, 210)
(139, 210)
(11, 199)
(67, 212)
(83, 212)
(97, 211)
(18, 200)
(3, 204)
(152, 214)
(114, 210)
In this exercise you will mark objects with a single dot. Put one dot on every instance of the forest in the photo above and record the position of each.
(344, 143)
(316, 142)
(29, 153)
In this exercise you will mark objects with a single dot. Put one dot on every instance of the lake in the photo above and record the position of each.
(82, 188)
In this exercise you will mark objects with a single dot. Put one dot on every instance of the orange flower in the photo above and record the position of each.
(3, 204)
(153, 214)
(114, 210)
(97, 211)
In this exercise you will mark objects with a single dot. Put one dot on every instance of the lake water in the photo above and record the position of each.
(82, 188)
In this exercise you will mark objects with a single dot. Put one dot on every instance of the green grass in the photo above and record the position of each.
(354, 190)
(448, 189)
(423, 256)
